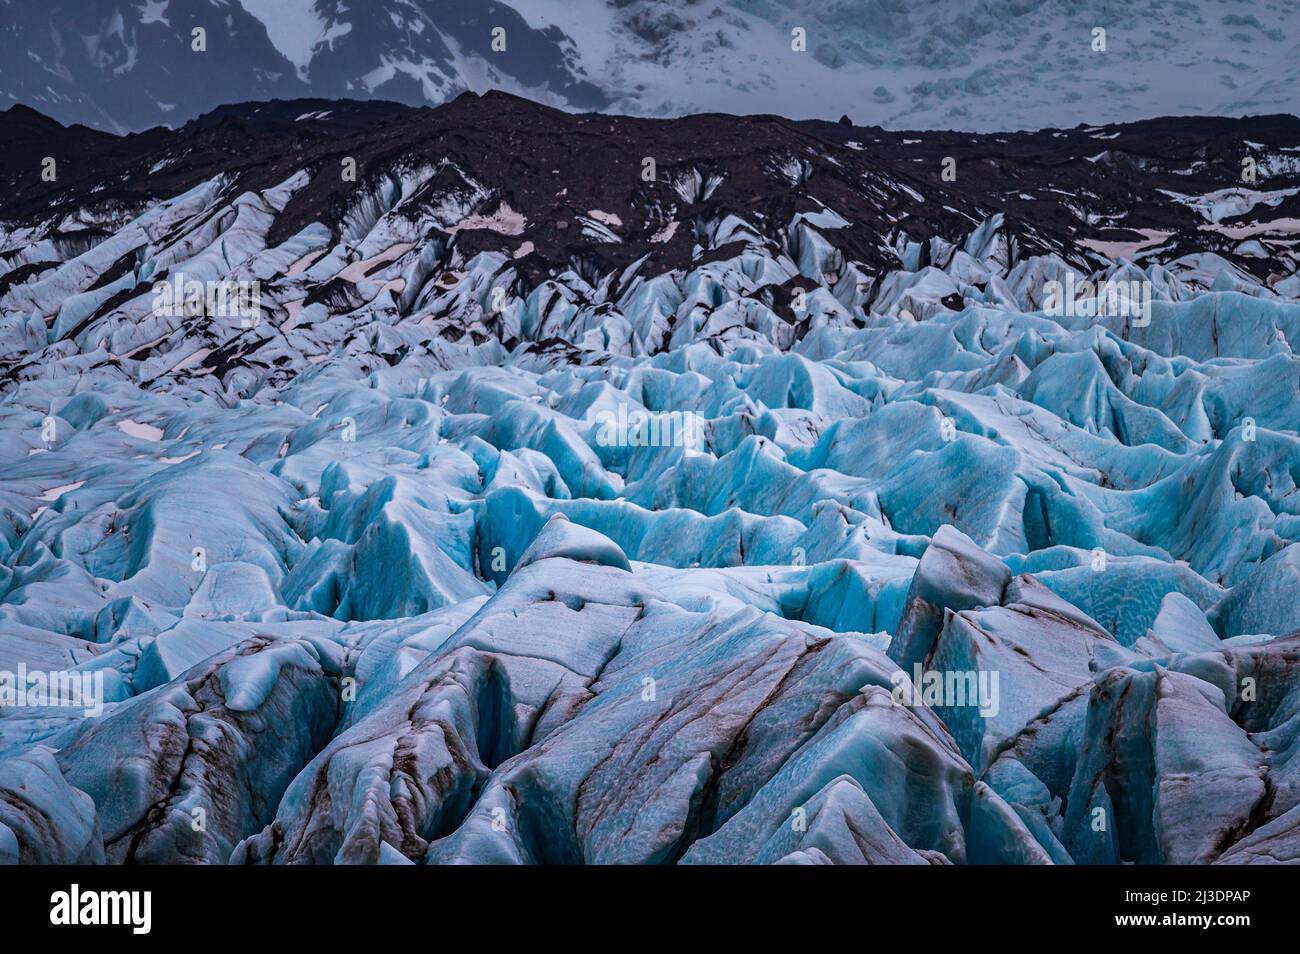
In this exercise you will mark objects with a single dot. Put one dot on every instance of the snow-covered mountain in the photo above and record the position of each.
(781, 502)
(958, 64)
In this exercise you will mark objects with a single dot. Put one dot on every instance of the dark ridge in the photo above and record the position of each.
(1056, 188)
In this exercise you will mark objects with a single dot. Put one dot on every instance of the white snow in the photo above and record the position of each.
(178, 460)
(504, 220)
(54, 493)
(357, 270)
(666, 233)
(1287, 225)
(154, 11)
(1229, 203)
(947, 65)
(1150, 237)
(294, 26)
(146, 432)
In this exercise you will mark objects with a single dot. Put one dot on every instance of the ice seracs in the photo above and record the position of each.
(402, 573)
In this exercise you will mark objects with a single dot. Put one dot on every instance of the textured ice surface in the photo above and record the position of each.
(731, 562)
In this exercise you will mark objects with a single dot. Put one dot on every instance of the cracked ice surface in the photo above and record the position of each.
(378, 581)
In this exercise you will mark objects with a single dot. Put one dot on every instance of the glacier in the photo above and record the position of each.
(414, 565)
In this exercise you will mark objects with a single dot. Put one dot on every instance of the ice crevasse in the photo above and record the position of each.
(410, 572)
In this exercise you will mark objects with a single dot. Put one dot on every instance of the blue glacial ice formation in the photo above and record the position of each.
(418, 567)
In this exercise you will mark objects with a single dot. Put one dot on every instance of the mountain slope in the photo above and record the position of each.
(127, 64)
